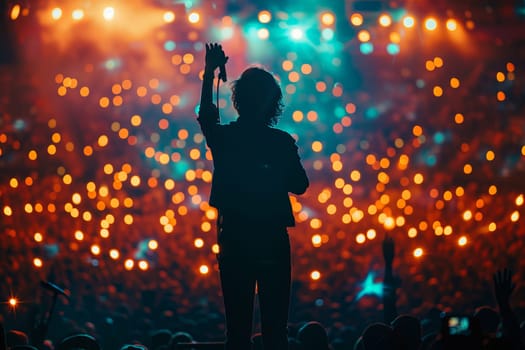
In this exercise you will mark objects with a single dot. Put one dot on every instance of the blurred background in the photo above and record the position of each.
(409, 116)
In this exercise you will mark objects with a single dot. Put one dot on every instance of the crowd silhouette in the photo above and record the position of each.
(488, 327)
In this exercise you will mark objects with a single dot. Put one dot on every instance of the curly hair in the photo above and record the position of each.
(258, 96)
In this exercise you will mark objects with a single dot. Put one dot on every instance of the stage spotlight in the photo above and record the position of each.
(297, 34)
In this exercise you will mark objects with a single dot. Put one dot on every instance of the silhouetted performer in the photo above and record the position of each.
(255, 166)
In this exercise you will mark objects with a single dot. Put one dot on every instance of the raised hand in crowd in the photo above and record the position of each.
(390, 282)
(503, 288)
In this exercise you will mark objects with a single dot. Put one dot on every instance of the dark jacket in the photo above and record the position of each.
(255, 166)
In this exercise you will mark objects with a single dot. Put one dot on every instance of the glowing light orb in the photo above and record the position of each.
(37, 262)
(431, 24)
(56, 13)
(143, 265)
(327, 33)
(327, 18)
(263, 33)
(385, 20)
(198, 243)
(226, 33)
(452, 25)
(265, 16)
(114, 254)
(204, 269)
(315, 275)
(79, 235)
(108, 13)
(77, 14)
(418, 252)
(15, 12)
(169, 17)
(519, 200)
(409, 22)
(363, 36)
(297, 34)
(95, 250)
(392, 49)
(153, 244)
(194, 17)
(128, 264)
(356, 19)
(13, 302)
(38, 237)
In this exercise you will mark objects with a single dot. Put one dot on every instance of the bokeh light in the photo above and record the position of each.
(356, 19)
(431, 24)
(409, 22)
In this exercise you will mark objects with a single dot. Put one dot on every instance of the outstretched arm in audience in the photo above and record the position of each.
(390, 283)
(503, 288)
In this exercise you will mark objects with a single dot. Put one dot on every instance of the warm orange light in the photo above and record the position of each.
(409, 22)
(452, 25)
(431, 24)
(356, 19)
(363, 36)
(194, 17)
(327, 18)
(385, 20)
(204, 269)
(265, 16)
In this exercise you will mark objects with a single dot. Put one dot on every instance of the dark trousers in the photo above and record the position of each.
(249, 256)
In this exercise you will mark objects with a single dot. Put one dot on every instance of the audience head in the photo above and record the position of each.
(407, 330)
(78, 341)
(15, 337)
(180, 337)
(488, 320)
(133, 347)
(313, 336)
(160, 337)
(378, 336)
(257, 343)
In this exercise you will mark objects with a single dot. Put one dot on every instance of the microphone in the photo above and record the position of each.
(54, 288)
(222, 73)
